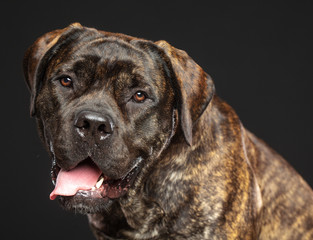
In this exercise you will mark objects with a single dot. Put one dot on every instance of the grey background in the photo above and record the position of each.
(258, 52)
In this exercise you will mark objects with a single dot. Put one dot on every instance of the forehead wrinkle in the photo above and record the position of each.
(122, 73)
(112, 53)
(114, 49)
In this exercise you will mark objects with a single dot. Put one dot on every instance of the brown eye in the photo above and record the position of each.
(139, 97)
(66, 82)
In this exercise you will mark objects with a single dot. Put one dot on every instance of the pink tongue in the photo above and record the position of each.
(83, 177)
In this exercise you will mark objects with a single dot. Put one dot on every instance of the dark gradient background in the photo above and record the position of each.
(258, 52)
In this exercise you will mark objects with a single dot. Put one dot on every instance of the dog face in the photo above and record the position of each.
(108, 104)
(106, 99)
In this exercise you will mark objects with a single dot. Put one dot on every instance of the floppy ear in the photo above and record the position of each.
(196, 87)
(33, 57)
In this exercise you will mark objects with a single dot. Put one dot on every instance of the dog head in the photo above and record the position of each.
(107, 105)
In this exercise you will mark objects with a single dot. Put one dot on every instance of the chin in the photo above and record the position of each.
(86, 205)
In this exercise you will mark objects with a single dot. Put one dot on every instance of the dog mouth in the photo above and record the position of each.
(86, 181)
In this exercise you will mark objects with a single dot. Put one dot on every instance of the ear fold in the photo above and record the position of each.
(33, 57)
(196, 86)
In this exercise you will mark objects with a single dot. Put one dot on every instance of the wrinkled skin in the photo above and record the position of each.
(198, 173)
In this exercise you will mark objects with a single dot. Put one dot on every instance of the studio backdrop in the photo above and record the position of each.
(259, 54)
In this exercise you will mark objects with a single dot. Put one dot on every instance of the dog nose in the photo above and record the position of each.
(93, 124)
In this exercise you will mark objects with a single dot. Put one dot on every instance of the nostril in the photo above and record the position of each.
(105, 128)
(85, 125)
(101, 128)
(82, 124)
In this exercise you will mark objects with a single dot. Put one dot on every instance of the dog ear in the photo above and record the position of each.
(196, 87)
(34, 56)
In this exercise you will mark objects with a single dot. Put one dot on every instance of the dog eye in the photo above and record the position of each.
(139, 96)
(66, 81)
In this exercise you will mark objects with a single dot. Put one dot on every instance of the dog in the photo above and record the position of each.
(142, 145)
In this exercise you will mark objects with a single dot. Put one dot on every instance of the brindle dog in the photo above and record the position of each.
(141, 143)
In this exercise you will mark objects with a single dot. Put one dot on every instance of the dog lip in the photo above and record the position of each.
(110, 188)
(55, 169)
(113, 188)
(137, 162)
